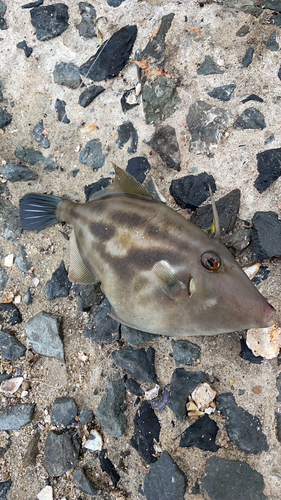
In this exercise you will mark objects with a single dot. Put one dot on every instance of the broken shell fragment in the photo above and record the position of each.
(11, 385)
(203, 395)
(265, 342)
(251, 271)
(152, 394)
(95, 442)
(9, 260)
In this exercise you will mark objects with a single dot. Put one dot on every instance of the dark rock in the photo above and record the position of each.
(104, 328)
(133, 386)
(164, 142)
(272, 44)
(127, 132)
(5, 117)
(30, 5)
(266, 235)
(87, 27)
(59, 285)
(207, 125)
(276, 20)
(278, 387)
(244, 430)
(108, 467)
(11, 347)
(165, 480)
(248, 355)
(139, 363)
(15, 172)
(138, 168)
(156, 48)
(67, 74)
(192, 190)
(9, 220)
(29, 458)
(129, 95)
(39, 134)
(209, 67)
(115, 3)
(3, 8)
(243, 31)
(10, 314)
(261, 275)
(271, 4)
(160, 99)
(60, 109)
(278, 426)
(92, 154)
(185, 353)
(43, 331)
(87, 296)
(3, 278)
(269, 140)
(160, 404)
(252, 97)
(96, 186)
(21, 260)
(251, 118)
(74, 172)
(249, 7)
(227, 208)
(112, 56)
(84, 483)
(135, 337)
(50, 164)
(3, 24)
(4, 376)
(1, 91)
(89, 95)
(29, 155)
(64, 411)
(226, 479)
(27, 298)
(61, 452)
(222, 93)
(183, 383)
(110, 411)
(27, 50)
(146, 432)
(269, 167)
(14, 417)
(4, 488)
(202, 434)
(248, 58)
(49, 21)
(86, 417)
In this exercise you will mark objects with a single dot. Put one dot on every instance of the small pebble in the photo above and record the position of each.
(95, 442)
(9, 260)
(67, 74)
(248, 58)
(209, 67)
(60, 109)
(27, 50)
(203, 395)
(46, 493)
(40, 135)
(89, 95)
(49, 21)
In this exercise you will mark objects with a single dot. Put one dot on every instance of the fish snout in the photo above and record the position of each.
(268, 315)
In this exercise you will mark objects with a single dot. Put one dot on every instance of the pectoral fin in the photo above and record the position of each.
(78, 272)
(168, 281)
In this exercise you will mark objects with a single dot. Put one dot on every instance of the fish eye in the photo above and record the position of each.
(211, 261)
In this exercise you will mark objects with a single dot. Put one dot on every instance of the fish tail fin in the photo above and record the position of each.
(38, 211)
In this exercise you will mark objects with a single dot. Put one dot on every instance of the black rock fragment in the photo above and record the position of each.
(110, 411)
(85, 484)
(107, 466)
(165, 480)
(227, 479)
(4, 376)
(40, 136)
(139, 363)
(88, 296)
(64, 411)
(156, 48)
(3, 24)
(202, 434)
(244, 430)
(9, 220)
(14, 417)
(60, 109)
(278, 387)
(223, 93)
(92, 154)
(227, 208)
(50, 164)
(67, 74)
(252, 97)
(104, 328)
(3, 8)
(27, 298)
(183, 383)
(135, 337)
(146, 432)
(27, 50)
(125, 100)
(261, 275)
(11, 347)
(5, 117)
(243, 31)
(278, 426)
(115, 3)
(269, 167)
(251, 118)
(1, 93)
(272, 44)
(17, 172)
(89, 95)
(185, 352)
(266, 235)
(61, 452)
(271, 4)
(133, 386)
(3, 278)
(276, 20)
(96, 186)
(127, 132)
(29, 458)
(112, 55)
(29, 155)
(44, 332)
(248, 58)
(209, 67)
(138, 168)
(160, 99)
(192, 190)
(86, 417)
(4, 488)
(49, 21)
(30, 5)
(10, 314)
(87, 27)
(247, 354)
(59, 285)
(164, 142)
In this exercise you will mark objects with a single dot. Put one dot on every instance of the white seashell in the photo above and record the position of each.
(251, 271)
(11, 385)
(152, 394)
(95, 442)
(203, 395)
(46, 493)
(265, 342)
(8, 261)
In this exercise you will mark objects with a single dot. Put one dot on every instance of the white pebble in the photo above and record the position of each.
(8, 261)
(46, 493)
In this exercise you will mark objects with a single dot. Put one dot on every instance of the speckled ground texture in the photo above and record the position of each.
(29, 94)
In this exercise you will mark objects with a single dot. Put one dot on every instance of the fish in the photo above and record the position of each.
(160, 272)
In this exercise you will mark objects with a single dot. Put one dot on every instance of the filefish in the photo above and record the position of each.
(161, 273)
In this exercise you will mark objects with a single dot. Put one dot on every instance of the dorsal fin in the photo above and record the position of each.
(125, 183)
(215, 227)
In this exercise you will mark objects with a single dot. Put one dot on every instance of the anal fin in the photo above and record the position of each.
(78, 272)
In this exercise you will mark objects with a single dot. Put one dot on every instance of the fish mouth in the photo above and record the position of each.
(268, 316)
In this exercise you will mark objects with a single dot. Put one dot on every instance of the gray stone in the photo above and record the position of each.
(156, 48)
(278, 386)
(138, 166)
(202, 434)
(191, 191)
(183, 383)
(209, 67)
(22, 261)
(64, 411)
(9, 220)
(86, 417)
(244, 430)
(3, 278)
(1, 90)
(110, 411)
(133, 387)
(229, 479)
(146, 432)
(248, 58)
(29, 458)
(87, 296)
(89, 95)
(5, 117)
(243, 31)
(27, 298)
(49, 21)
(11, 347)
(59, 285)
(127, 132)
(84, 483)
(61, 112)
(139, 363)
(10, 314)
(92, 154)
(251, 118)
(43, 331)
(165, 480)
(67, 74)
(136, 337)
(164, 142)
(50, 164)
(247, 6)
(29, 155)
(39, 135)
(207, 125)
(185, 352)
(3, 24)
(5, 486)
(269, 167)
(278, 426)
(3, 8)
(160, 99)
(223, 93)
(272, 44)
(15, 172)
(87, 27)
(271, 4)
(14, 417)
(27, 50)
(266, 235)
(61, 452)
(104, 328)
